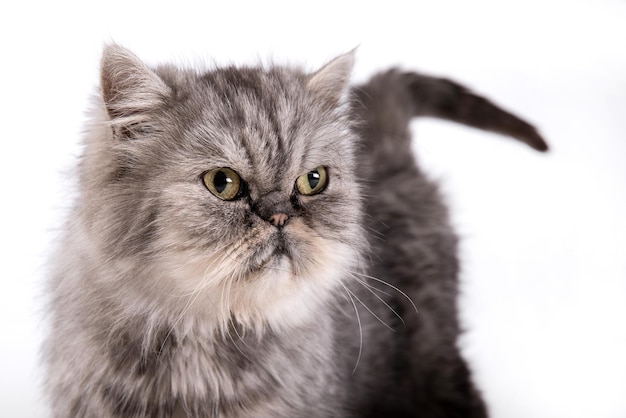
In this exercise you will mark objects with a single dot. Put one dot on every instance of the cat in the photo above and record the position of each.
(260, 242)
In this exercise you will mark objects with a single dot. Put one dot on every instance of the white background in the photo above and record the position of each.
(544, 236)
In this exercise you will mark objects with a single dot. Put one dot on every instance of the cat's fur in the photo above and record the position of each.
(167, 301)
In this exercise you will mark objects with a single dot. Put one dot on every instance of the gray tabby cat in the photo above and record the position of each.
(258, 242)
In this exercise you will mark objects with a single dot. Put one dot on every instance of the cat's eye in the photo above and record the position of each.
(312, 182)
(224, 183)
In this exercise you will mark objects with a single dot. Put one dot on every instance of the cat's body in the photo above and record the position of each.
(295, 296)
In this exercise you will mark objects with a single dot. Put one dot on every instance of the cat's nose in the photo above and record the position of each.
(278, 219)
(274, 208)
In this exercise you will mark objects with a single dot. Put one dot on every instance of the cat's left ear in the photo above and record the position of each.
(330, 82)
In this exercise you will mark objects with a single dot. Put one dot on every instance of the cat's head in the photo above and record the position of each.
(229, 194)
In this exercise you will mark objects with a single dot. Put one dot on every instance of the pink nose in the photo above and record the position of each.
(278, 219)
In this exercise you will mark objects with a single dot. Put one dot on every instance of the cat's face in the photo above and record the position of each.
(233, 192)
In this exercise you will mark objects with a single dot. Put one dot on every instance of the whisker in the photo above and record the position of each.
(379, 234)
(370, 311)
(190, 302)
(230, 336)
(338, 298)
(225, 304)
(193, 296)
(358, 318)
(370, 287)
(239, 336)
(390, 285)
(233, 327)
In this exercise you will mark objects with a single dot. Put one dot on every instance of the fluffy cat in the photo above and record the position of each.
(259, 242)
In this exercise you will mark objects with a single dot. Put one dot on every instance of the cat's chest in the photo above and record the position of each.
(241, 377)
(221, 369)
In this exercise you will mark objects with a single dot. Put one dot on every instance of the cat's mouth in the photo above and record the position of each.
(271, 254)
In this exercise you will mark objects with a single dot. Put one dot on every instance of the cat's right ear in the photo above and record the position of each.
(130, 89)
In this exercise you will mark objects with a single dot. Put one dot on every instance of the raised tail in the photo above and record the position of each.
(388, 102)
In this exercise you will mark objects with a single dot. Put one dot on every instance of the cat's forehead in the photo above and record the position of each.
(264, 124)
(244, 88)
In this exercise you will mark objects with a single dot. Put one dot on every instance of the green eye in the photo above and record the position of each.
(223, 183)
(312, 182)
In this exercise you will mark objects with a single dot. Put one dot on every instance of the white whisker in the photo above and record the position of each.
(390, 285)
(207, 279)
(234, 327)
(190, 302)
(225, 304)
(356, 311)
(230, 335)
(370, 287)
(370, 311)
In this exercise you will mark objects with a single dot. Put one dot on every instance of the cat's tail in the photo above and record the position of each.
(388, 102)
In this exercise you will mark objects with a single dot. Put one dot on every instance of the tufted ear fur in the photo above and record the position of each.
(129, 88)
(331, 81)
